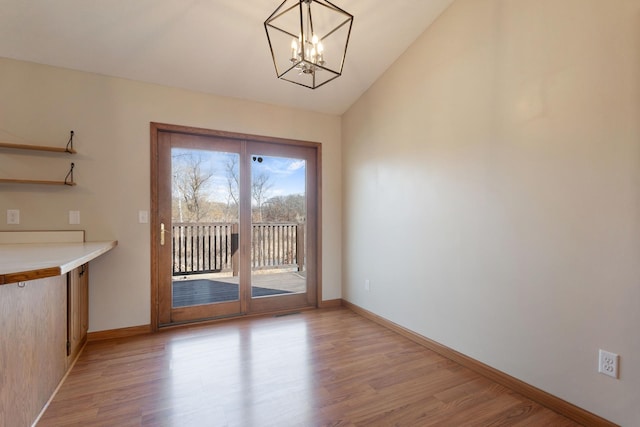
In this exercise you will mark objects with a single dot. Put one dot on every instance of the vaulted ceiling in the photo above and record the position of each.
(211, 46)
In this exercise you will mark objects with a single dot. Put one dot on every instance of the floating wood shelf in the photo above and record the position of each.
(33, 181)
(37, 148)
(68, 180)
(67, 149)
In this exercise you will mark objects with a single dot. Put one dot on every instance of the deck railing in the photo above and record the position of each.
(199, 248)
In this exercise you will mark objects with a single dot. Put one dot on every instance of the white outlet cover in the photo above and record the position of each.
(608, 363)
(13, 216)
(74, 217)
(143, 217)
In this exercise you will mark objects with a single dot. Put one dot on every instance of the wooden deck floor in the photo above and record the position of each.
(317, 368)
(213, 288)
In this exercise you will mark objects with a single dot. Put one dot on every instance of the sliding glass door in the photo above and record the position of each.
(235, 226)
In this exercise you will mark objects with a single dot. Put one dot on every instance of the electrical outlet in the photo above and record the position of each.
(608, 363)
(367, 285)
(13, 216)
(74, 217)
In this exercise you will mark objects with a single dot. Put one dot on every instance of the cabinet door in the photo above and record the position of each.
(77, 310)
(84, 301)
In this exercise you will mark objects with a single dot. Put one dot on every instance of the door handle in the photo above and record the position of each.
(162, 234)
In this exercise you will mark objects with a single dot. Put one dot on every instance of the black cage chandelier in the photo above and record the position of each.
(308, 41)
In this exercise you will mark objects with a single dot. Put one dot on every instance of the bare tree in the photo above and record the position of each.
(260, 186)
(233, 187)
(289, 208)
(190, 180)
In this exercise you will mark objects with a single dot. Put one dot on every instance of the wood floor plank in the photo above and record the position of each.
(317, 368)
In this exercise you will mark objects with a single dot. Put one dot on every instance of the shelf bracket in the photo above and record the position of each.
(68, 180)
(69, 147)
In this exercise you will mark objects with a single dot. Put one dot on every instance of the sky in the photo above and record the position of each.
(286, 175)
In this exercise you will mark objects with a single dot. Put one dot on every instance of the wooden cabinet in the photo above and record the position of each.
(44, 316)
(33, 319)
(77, 310)
(37, 318)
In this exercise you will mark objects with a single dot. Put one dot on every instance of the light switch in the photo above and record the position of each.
(74, 217)
(13, 216)
(143, 217)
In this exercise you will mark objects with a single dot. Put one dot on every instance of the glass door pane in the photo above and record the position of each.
(204, 232)
(278, 226)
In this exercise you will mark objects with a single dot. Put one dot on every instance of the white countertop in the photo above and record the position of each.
(29, 261)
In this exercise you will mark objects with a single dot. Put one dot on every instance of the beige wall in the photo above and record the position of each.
(111, 120)
(492, 193)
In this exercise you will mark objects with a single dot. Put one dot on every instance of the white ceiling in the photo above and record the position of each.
(211, 46)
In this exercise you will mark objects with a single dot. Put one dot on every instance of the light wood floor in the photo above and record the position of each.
(316, 368)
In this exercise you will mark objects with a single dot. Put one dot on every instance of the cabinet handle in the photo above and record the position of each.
(162, 234)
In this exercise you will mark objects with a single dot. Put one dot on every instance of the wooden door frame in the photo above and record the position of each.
(155, 130)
